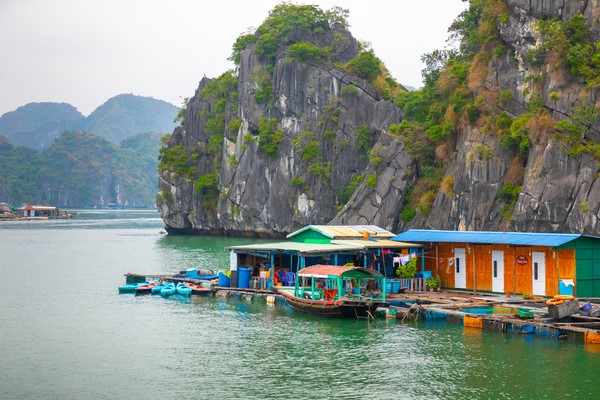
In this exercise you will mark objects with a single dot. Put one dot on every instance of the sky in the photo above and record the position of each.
(83, 52)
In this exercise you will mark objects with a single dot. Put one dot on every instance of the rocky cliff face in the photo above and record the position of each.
(559, 191)
(543, 183)
(318, 110)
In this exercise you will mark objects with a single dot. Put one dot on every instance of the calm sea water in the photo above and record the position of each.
(66, 333)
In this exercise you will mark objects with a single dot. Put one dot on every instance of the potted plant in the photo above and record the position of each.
(433, 283)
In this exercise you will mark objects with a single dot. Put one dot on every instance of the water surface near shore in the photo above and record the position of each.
(65, 332)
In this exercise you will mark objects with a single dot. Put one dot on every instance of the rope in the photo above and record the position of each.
(415, 309)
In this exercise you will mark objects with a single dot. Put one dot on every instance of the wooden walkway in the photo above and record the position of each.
(499, 314)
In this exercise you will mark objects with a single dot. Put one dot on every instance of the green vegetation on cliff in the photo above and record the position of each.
(288, 25)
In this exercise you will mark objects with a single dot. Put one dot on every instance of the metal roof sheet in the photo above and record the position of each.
(345, 231)
(514, 238)
(333, 270)
(296, 246)
(380, 243)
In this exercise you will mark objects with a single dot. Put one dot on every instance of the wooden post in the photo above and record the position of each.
(437, 261)
(514, 269)
(557, 258)
(474, 271)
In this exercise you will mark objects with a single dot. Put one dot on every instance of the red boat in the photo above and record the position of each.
(198, 289)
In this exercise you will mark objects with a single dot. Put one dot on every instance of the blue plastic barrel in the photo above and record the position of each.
(191, 273)
(389, 286)
(244, 277)
(224, 280)
(564, 289)
(396, 286)
(426, 274)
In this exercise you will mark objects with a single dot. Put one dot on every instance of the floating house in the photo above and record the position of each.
(5, 209)
(544, 264)
(359, 245)
(38, 211)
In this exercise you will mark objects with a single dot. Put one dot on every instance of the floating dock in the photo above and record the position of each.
(473, 310)
(498, 314)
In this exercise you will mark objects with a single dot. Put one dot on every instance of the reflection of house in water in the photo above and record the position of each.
(367, 246)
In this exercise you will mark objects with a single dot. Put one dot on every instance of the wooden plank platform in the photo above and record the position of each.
(457, 305)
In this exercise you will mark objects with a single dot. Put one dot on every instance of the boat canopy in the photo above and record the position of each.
(331, 271)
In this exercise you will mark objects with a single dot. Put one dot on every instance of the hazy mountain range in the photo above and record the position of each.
(50, 153)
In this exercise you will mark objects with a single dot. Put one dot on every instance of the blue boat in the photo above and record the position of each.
(131, 287)
(183, 289)
(168, 289)
(156, 289)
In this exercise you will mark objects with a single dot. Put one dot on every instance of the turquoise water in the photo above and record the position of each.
(65, 332)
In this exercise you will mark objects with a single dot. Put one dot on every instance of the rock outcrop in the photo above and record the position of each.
(318, 109)
(321, 172)
(559, 192)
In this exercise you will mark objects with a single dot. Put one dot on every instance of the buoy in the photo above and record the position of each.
(554, 302)
(564, 297)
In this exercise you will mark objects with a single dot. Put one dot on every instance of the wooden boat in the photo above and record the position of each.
(183, 289)
(168, 289)
(327, 291)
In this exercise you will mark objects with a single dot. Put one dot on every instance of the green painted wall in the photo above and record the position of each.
(588, 267)
(310, 236)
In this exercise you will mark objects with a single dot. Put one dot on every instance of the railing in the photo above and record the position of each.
(413, 284)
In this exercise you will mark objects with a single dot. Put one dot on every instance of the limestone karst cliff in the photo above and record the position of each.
(310, 129)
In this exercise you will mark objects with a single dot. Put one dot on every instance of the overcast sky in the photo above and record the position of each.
(84, 52)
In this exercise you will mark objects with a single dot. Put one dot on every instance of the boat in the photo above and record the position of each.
(336, 291)
(168, 289)
(156, 289)
(183, 289)
(131, 287)
(199, 289)
(147, 288)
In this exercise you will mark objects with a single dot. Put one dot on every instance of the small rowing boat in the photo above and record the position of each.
(168, 289)
(183, 289)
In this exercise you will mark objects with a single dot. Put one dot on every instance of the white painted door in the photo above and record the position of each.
(497, 271)
(539, 273)
(460, 267)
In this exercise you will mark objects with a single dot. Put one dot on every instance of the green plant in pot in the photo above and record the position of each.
(433, 283)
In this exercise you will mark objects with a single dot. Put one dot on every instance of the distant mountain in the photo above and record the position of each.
(37, 125)
(79, 169)
(126, 114)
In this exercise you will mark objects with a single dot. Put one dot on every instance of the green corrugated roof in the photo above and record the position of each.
(299, 247)
(345, 231)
